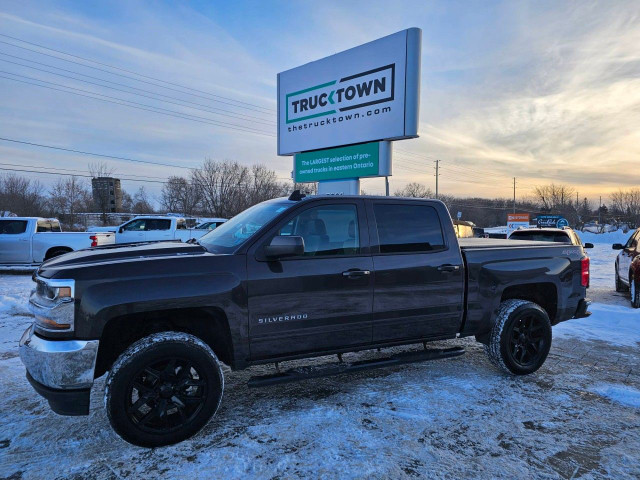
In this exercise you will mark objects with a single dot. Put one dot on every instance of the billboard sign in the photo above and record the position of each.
(353, 161)
(516, 221)
(364, 94)
(553, 221)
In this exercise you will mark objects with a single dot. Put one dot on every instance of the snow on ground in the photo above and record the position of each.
(577, 417)
(609, 238)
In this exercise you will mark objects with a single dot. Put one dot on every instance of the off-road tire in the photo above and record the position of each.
(620, 287)
(512, 317)
(194, 380)
(635, 293)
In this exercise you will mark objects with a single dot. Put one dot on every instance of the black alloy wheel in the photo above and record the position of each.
(520, 339)
(163, 389)
(527, 340)
(165, 395)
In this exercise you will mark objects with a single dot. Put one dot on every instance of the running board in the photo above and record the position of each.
(326, 370)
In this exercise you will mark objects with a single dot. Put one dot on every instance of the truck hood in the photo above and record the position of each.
(119, 253)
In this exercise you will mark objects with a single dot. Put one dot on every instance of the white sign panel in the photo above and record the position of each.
(364, 94)
(511, 226)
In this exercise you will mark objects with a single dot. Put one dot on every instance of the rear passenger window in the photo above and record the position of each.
(408, 228)
(158, 224)
(43, 226)
(13, 227)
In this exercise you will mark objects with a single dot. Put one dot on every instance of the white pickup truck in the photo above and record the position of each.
(153, 229)
(32, 240)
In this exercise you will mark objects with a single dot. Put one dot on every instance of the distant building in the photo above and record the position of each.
(107, 194)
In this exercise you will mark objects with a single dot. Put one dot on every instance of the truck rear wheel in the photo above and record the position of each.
(163, 389)
(521, 337)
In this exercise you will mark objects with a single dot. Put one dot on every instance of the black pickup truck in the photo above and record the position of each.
(286, 279)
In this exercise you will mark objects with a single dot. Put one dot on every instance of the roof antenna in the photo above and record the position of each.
(296, 196)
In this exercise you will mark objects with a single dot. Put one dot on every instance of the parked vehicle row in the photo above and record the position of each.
(149, 228)
(32, 240)
(287, 279)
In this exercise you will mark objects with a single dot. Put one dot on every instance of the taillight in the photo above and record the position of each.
(584, 278)
(94, 241)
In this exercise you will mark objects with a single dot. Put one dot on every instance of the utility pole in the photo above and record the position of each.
(600, 211)
(514, 194)
(437, 174)
(386, 185)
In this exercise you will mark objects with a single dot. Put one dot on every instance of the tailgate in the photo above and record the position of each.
(103, 238)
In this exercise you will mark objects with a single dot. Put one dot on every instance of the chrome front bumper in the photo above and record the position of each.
(59, 364)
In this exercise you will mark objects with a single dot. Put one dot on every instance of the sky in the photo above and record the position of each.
(544, 91)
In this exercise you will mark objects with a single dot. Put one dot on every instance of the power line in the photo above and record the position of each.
(128, 71)
(75, 175)
(455, 168)
(162, 182)
(145, 107)
(114, 157)
(239, 116)
(73, 170)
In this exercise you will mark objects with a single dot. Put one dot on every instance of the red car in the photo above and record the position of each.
(628, 268)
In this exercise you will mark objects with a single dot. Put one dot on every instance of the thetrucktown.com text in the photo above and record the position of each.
(337, 119)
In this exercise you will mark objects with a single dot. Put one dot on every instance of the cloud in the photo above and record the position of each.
(570, 114)
(543, 91)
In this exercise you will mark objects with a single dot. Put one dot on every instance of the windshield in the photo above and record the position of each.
(228, 236)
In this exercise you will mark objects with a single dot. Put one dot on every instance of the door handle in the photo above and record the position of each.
(448, 268)
(356, 273)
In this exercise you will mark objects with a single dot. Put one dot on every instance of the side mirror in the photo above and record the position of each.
(284, 246)
(588, 245)
(617, 246)
(121, 229)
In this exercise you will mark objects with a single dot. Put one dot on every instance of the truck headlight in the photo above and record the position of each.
(52, 304)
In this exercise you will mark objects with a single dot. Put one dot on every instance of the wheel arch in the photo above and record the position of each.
(544, 294)
(48, 253)
(209, 324)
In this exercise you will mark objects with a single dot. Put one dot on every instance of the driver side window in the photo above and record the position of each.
(135, 226)
(326, 230)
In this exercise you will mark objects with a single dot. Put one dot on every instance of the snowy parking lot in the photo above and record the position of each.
(577, 417)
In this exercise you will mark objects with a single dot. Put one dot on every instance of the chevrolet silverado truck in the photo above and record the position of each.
(31, 240)
(153, 229)
(289, 278)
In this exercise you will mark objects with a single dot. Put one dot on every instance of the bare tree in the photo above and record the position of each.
(180, 195)
(415, 190)
(626, 204)
(21, 195)
(67, 197)
(554, 198)
(141, 202)
(263, 185)
(222, 186)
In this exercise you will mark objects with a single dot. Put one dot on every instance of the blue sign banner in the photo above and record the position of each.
(554, 221)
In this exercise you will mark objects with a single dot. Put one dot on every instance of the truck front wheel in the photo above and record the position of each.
(521, 337)
(163, 389)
